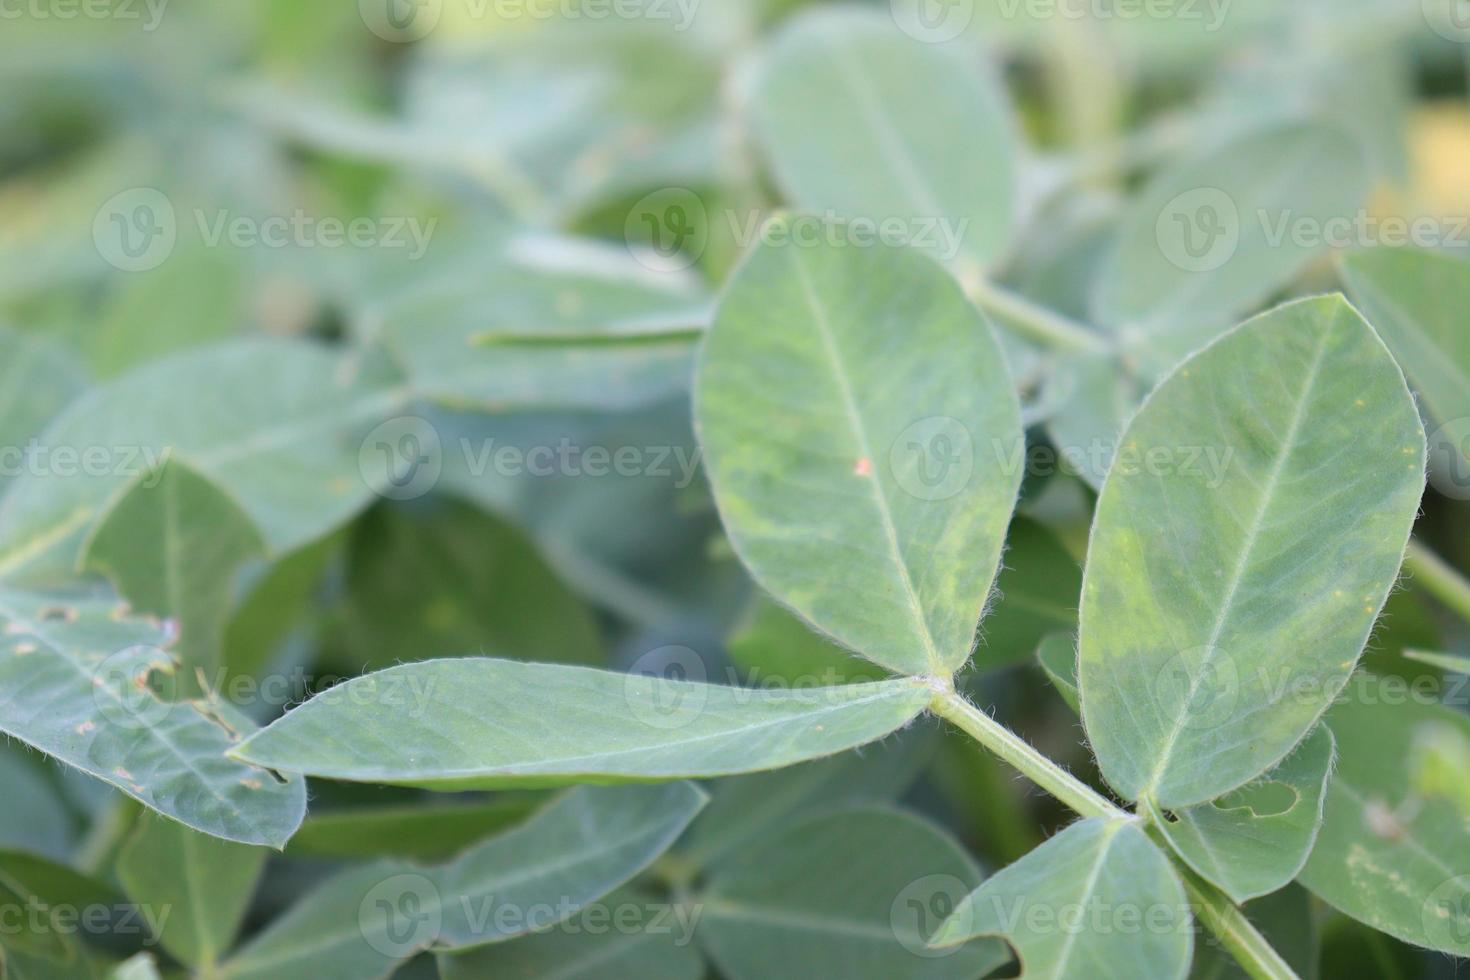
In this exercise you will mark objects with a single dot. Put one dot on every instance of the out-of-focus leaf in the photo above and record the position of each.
(1287, 920)
(1387, 855)
(37, 818)
(38, 379)
(415, 832)
(480, 723)
(205, 882)
(1099, 867)
(832, 440)
(1203, 596)
(277, 425)
(1444, 661)
(1038, 590)
(453, 581)
(775, 645)
(1218, 233)
(859, 119)
(1255, 840)
(276, 600)
(172, 544)
(798, 905)
(74, 684)
(1096, 396)
(367, 920)
(139, 967)
(626, 935)
(1057, 655)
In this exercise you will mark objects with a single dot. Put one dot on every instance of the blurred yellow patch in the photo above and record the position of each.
(1439, 159)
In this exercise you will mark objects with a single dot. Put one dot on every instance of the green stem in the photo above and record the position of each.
(1211, 906)
(1046, 327)
(1439, 578)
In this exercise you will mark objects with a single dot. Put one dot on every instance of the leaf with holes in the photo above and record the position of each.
(835, 443)
(1207, 595)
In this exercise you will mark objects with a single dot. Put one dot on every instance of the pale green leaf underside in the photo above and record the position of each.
(656, 946)
(278, 424)
(205, 882)
(1388, 854)
(365, 921)
(1057, 655)
(456, 724)
(172, 545)
(1249, 854)
(70, 671)
(1047, 906)
(1203, 598)
(863, 481)
(799, 905)
(1215, 234)
(857, 118)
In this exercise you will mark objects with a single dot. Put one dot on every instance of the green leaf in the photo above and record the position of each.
(798, 905)
(1416, 300)
(451, 581)
(39, 378)
(1097, 396)
(1036, 594)
(1221, 613)
(1215, 234)
(774, 646)
(138, 967)
(857, 118)
(1057, 655)
(34, 894)
(420, 832)
(172, 544)
(365, 921)
(1287, 919)
(1444, 661)
(1388, 855)
(37, 817)
(834, 440)
(1097, 900)
(205, 882)
(480, 724)
(74, 676)
(277, 424)
(1255, 840)
(628, 935)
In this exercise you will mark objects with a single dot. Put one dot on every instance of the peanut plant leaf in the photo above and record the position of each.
(1057, 655)
(1221, 231)
(1453, 663)
(860, 120)
(1287, 919)
(74, 676)
(278, 425)
(627, 935)
(797, 905)
(37, 381)
(481, 723)
(419, 832)
(1416, 300)
(774, 644)
(1390, 855)
(205, 882)
(833, 441)
(1256, 839)
(1036, 594)
(1222, 613)
(367, 920)
(172, 544)
(1045, 905)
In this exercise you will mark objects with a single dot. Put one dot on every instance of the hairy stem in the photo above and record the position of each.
(1439, 578)
(1211, 906)
(1033, 320)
